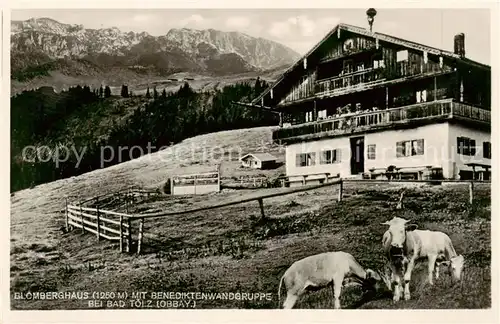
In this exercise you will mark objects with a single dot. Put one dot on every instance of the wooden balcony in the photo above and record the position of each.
(406, 116)
(339, 84)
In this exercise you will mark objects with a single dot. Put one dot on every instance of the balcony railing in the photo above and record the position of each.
(361, 121)
(464, 110)
(344, 82)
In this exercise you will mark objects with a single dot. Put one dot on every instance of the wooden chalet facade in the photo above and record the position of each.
(360, 101)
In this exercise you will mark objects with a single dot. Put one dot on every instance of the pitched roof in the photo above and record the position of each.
(380, 36)
(263, 157)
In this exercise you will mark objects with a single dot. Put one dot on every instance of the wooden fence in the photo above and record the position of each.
(116, 226)
(110, 225)
(90, 216)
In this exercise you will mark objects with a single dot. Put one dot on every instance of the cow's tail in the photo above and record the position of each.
(279, 291)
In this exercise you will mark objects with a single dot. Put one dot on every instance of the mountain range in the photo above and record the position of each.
(42, 46)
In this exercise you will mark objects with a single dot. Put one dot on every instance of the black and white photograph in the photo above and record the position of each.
(257, 158)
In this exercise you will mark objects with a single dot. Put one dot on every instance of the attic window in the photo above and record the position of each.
(402, 55)
(348, 45)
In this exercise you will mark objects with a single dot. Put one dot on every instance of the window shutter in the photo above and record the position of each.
(400, 146)
(487, 150)
(297, 160)
(338, 155)
(460, 144)
(312, 157)
(420, 147)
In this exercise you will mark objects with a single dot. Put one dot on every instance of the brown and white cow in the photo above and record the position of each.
(404, 245)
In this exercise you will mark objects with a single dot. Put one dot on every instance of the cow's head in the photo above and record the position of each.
(455, 266)
(397, 230)
(377, 282)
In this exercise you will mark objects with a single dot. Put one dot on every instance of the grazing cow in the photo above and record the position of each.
(321, 270)
(404, 245)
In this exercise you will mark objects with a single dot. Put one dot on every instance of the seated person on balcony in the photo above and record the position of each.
(358, 108)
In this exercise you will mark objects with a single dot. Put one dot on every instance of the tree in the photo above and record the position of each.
(107, 92)
(101, 92)
(124, 92)
(164, 93)
(148, 95)
(258, 86)
(155, 93)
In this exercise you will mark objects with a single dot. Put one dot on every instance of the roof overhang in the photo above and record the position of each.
(381, 37)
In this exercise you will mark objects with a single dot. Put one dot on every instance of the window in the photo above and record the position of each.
(402, 56)
(422, 96)
(487, 150)
(322, 113)
(466, 146)
(309, 116)
(305, 159)
(330, 156)
(410, 148)
(347, 66)
(378, 64)
(371, 151)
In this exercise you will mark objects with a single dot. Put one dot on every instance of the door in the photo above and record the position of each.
(357, 155)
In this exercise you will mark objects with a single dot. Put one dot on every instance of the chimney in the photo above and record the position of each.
(459, 44)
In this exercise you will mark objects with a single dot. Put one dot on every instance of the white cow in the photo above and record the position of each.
(320, 270)
(404, 245)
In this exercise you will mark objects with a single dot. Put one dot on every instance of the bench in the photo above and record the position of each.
(327, 176)
(401, 173)
(486, 168)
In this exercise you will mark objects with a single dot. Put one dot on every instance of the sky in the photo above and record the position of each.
(299, 29)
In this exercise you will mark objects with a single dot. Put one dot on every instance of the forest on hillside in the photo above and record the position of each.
(42, 119)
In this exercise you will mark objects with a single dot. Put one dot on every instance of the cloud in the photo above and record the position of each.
(195, 21)
(302, 26)
(237, 22)
(280, 29)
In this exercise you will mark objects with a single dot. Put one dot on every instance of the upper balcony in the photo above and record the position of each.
(342, 83)
(412, 115)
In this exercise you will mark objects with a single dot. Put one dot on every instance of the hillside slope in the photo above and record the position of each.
(197, 154)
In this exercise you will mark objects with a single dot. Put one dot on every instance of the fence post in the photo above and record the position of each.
(129, 235)
(66, 214)
(341, 189)
(139, 240)
(81, 215)
(261, 204)
(126, 202)
(121, 234)
(471, 192)
(98, 224)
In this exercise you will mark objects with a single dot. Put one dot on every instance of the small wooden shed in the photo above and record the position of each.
(258, 160)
